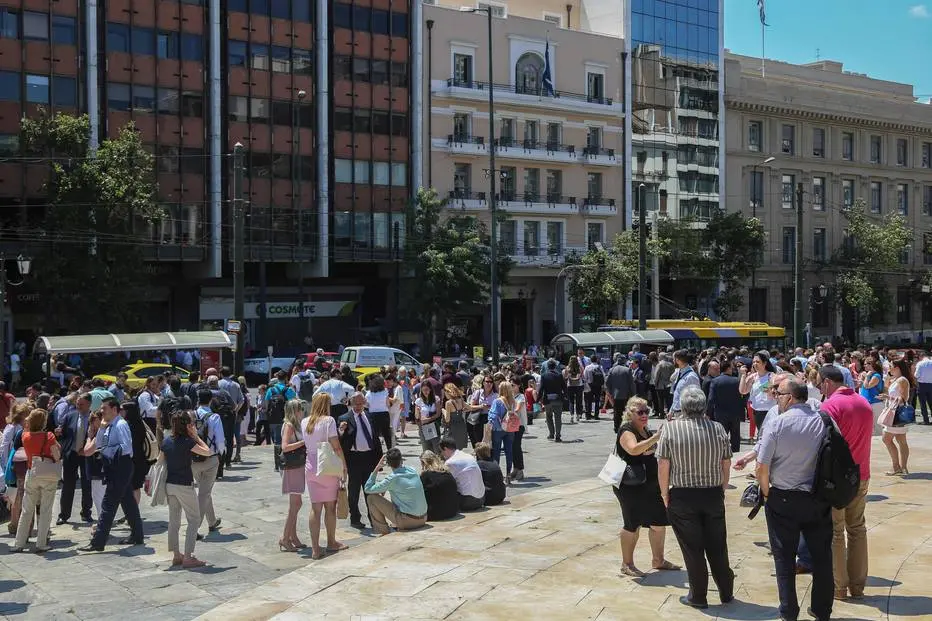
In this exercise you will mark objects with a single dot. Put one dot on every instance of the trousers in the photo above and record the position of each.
(205, 475)
(849, 555)
(504, 439)
(554, 411)
(697, 516)
(38, 493)
(791, 514)
(182, 498)
(925, 400)
(732, 425)
(119, 493)
(382, 426)
(359, 465)
(517, 449)
(382, 511)
(73, 466)
(229, 425)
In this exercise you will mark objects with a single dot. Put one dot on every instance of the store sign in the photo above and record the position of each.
(222, 308)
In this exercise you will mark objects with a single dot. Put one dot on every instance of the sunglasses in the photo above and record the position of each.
(643, 412)
(488, 382)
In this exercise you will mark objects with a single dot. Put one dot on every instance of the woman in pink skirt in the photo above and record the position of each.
(292, 477)
(319, 427)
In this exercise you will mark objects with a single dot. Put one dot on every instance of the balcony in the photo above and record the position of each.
(599, 206)
(467, 199)
(465, 144)
(598, 156)
(534, 203)
(510, 94)
(529, 255)
(536, 150)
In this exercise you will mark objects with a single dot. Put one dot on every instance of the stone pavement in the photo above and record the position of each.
(65, 584)
(553, 553)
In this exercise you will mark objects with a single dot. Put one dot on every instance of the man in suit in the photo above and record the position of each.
(620, 387)
(712, 370)
(726, 403)
(362, 451)
(71, 432)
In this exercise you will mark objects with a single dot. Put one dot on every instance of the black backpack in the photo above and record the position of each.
(223, 404)
(170, 405)
(275, 411)
(598, 379)
(200, 425)
(837, 476)
(306, 387)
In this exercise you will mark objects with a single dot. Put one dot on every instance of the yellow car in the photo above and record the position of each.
(138, 373)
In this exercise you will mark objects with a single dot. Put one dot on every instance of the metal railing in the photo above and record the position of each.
(465, 139)
(596, 151)
(518, 90)
(466, 195)
(598, 200)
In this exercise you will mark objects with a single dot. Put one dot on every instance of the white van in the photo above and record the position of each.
(372, 357)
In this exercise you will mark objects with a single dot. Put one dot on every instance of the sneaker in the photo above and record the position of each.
(557, 439)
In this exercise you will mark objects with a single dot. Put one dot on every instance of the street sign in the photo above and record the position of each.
(234, 326)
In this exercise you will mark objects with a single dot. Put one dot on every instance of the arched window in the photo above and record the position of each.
(529, 71)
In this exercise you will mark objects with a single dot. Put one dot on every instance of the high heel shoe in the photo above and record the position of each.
(298, 545)
(284, 546)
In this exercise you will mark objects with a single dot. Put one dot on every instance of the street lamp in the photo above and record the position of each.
(754, 201)
(813, 302)
(24, 264)
(493, 244)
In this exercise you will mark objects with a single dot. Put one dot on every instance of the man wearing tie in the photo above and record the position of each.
(72, 434)
(361, 451)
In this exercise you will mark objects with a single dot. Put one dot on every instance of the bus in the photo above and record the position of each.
(701, 334)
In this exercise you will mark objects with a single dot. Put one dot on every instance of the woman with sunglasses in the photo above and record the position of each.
(478, 408)
(757, 384)
(641, 505)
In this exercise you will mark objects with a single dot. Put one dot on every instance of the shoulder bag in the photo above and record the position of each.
(618, 472)
(293, 459)
(44, 468)
(328, 462)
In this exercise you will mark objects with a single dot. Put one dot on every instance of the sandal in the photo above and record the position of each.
(631, 571)
(893, 473)
(337, 548)
(668, 566)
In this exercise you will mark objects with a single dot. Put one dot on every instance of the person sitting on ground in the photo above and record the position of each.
(439, 487)
(407, 508)
(468, 476)
(492, 477)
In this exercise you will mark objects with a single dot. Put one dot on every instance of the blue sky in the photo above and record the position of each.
(886, 39)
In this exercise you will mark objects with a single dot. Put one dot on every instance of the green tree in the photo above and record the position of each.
(89, 269)
(451, 259)
(600, 279)
(871, 251)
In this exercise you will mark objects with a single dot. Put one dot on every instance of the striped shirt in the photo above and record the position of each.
(695, 449)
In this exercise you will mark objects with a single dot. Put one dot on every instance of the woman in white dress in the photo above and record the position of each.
(894, 437)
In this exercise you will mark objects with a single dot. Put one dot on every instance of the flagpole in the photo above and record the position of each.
(762, 51)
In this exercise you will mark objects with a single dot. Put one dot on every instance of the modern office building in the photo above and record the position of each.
(319, 94)
(558, 174)
(844, 136)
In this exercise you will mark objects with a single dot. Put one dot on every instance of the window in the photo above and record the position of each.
(460, 127)
(789, 244)
(281, 59)
(498, 10)
(259, 56)
(595, 232)
(757, 189)
(927, 248)
(818, 244)
(902, 199)
(462, 69)
(361, 171)
(238, 109)
(361, 121)
(554, 135)
(282, 8)
(789, 138)
(399, 24)
(755, 136)
(143, 41)
(342, 15)
(9, 144)
(757, 304)
(9, 86)
(399, 74)
(192, 104)
(361, 69)
(379, 71)
(399, 174)
(847, 146)
(529, 71)
(237, 53)
(818, 193)
(903, 305)
(380, 173)
(788, 184)
(818, 142)
(192, 47)
(301, 10)
(508, 236)
(507, 133)
(343, 171)
(554, 238)
(847, 192)
(37, 89)
(9, 23)
(532, 185)
(301, 62)
(876, 149)
(260, 110)
(167, 101)
(594, 185)
(555, 185)
(531, 238)
(343, 119)
(281, 113)
(594, 139)
(399, 125)
(35, 26)
(118, 96)
(362, 17)
(530, 133)
(462, 180)
(927, 154)
(554, 19)
(143, 98)
(64, 31)
(927, 200)
(167, 45)
(381, 123)
(901, 152)
(508, 182)
(876, 197)
(64, 91)
(595, 83)
(118, 38)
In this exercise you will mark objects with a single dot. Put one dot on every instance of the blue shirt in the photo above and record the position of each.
(288, 392)
(846, 373)
(232, 388)
(115, 434)
(687, 377)
(802, 360)
(215, 438)
(497, 414)
(790, 447)
(404, 484)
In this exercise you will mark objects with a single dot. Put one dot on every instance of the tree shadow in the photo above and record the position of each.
(154, 527)
(13, 608)
(11, 585)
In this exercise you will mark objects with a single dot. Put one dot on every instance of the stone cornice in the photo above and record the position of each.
(786, 111)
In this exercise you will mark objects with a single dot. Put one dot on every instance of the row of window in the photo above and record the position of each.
(57, 90)
(362, 229)
(370, 70)
(507, 133)
(822, 312)
(848, 149)
(365, 172)
(275, 57)
(820, 246)
(152, 42)
(144, 98)
(36, 26)
(260, 110)
(366, 19)
(376, 121)
(297, 10)
(463, 177)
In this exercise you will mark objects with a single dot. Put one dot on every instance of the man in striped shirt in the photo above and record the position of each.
(694, 459)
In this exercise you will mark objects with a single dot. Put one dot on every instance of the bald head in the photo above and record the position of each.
(714, 369)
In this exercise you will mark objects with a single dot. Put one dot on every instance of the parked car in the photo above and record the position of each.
(137, 374)
(331, 360)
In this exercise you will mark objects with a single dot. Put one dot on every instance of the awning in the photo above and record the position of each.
(91, 343)
(608, 339)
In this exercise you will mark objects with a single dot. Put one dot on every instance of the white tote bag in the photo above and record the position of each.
(328, 462)
(613, 470)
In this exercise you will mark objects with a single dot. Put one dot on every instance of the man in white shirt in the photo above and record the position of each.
(924, 377)
(339, 392)
(204, 469)
(465, 470)
(362, 451)
(149, 401)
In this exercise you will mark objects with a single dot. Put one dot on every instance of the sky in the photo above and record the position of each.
(886, 39)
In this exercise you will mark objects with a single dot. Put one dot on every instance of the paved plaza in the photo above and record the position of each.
(551, 552)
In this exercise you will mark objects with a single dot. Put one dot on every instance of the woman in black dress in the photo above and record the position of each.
(137, 428)
(641, 505)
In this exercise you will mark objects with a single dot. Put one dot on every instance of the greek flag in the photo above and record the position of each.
(763, 12)
(547, 79)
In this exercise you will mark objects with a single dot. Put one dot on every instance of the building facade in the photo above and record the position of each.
(558, 174)
(844, 137)
(319, 94)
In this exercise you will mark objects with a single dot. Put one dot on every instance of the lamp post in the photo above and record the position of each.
(25, 265)
(296, 168)
(642, 258)
(813, 302)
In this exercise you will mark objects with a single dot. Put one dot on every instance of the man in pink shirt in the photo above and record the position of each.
(853, 415)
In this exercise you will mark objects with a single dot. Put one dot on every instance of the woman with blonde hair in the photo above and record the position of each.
(505, 422)
(292, 473)
(440, 490)
(454, 416)
(319, 427)
(40, 446)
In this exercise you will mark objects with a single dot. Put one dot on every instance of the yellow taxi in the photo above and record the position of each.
(138, 373)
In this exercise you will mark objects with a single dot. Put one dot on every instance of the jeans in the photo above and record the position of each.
(593, 398)
(229, 424)
(516, 448)
(506, 438)
(791, 514)
(925, 400)
(574, 394)
(554, 411)
(119, 493)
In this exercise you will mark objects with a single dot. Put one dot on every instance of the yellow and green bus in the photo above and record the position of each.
(705, 333)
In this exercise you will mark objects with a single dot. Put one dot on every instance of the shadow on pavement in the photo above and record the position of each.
(899, 605)
(875, 581)
(224, 538)
(918, 476)
(876, 498)
(738, 610)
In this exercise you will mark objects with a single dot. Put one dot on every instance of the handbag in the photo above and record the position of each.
(293, 459)
(613, 470)
(885, 418)
(634, 475)
(429, 431)
(905, 415)
(342, 503)
(9, 475)
(44, 468)
(328, 462)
